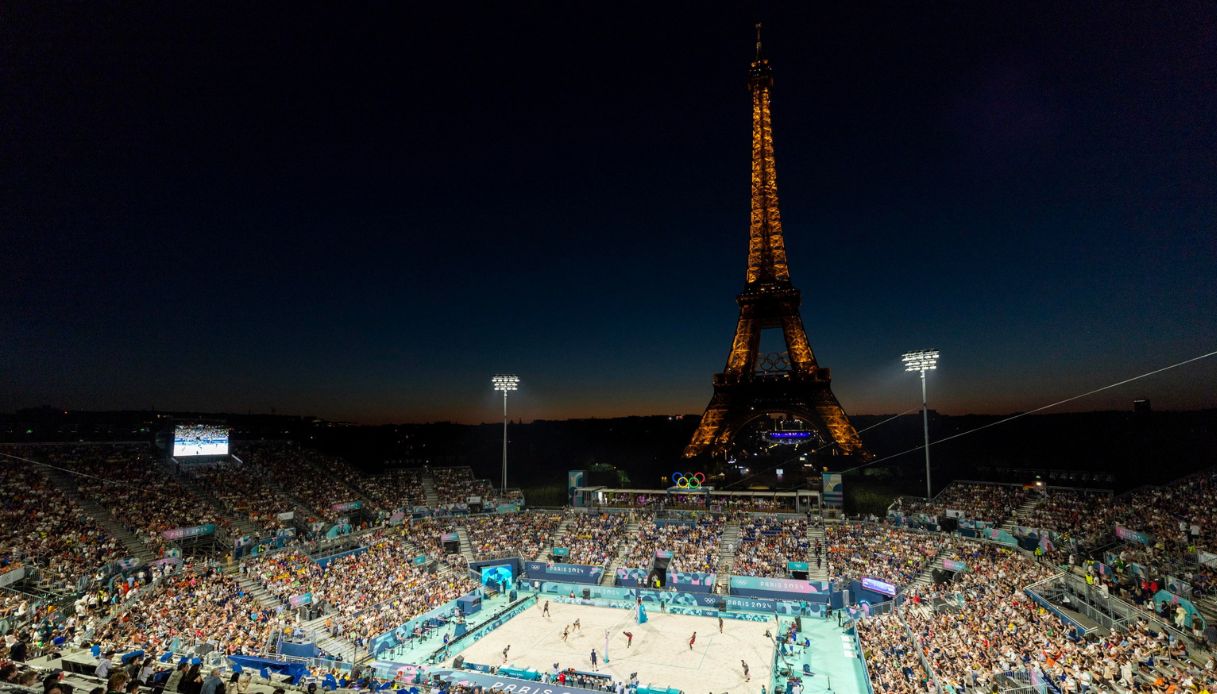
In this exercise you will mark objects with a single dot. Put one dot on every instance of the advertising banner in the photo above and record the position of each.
(498, 683)
(574, 479)
(397, 518)
(575, 573)
(1130, 535)
(881, 587)
(449, 537)
(692, 581)
(420, 559)
(998, 535)
(507, 508)
(679, 602)
(347, 506)
(560, 552)
(286, 515)
(631, 578)
(953, 565)
(1207, 558)
(834, 496)
(793, 566)
(128, 563)
(193, 531)
(301, 599)
(781, 588)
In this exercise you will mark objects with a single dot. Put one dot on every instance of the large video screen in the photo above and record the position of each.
(199, 439)
(498, 576)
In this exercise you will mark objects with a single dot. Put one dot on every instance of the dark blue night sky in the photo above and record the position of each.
(363, 213)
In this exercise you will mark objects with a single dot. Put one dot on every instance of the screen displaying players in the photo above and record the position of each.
(199, 439)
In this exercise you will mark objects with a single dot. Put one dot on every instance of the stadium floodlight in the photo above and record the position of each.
(922, 361)
(505, 383)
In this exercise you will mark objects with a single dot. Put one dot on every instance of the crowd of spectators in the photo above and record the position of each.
(185, 611)
(594, 538)
(1000, 630)
(382, 588)
(398, 488)
(693, 501)
(1176, 516)
(455, 485)
(133, 483)
(43, 529)
(298, 470)
(245, 490)
(284, 574)
(1085, 515)
(891, 657)
(767, 544)
(694, 545)
(890, 554)
(987, 502)
(512, 534)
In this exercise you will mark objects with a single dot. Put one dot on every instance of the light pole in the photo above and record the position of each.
(505, 383)
(923, 360)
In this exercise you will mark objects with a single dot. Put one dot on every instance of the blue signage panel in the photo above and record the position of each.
(880, 587)
(574, 573)
(777, 587)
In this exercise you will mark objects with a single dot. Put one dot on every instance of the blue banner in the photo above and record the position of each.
(781, 588)
(192, 531)
(693, 581)
(631, 578)
(575, 573)
(834, 495)
(498, 683)
(679, 602)
(1130, 535)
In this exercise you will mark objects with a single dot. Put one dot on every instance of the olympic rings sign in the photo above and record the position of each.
(686, 480)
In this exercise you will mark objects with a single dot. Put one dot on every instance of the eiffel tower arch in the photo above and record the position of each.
(787, 388)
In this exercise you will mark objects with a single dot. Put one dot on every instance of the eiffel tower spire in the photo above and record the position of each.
(766, 246)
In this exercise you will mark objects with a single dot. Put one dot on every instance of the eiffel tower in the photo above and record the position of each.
(787, 385)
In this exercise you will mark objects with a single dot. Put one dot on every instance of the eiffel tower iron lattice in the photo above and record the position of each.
(755, 385)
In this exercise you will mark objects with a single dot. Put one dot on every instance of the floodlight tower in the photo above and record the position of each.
(922, 361)
(505, 383)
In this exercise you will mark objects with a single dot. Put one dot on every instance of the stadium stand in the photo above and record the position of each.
(694, 545)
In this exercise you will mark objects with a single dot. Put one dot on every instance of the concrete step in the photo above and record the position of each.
(259, 593)
(466, 546)
(430, 496)
(243, 526)
(815, 533)
(133, 544)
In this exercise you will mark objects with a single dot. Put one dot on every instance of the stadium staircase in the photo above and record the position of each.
(466, 545)
(559, 538)
(195, 486)
(610, 573)
(728, 544)
(926, 577)
(333, 645)
(815, 533)
(1027, 507)
(430, 496)
(134, 546)
(258, 592)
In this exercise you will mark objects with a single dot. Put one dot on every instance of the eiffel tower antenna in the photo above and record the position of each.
(758, 40)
